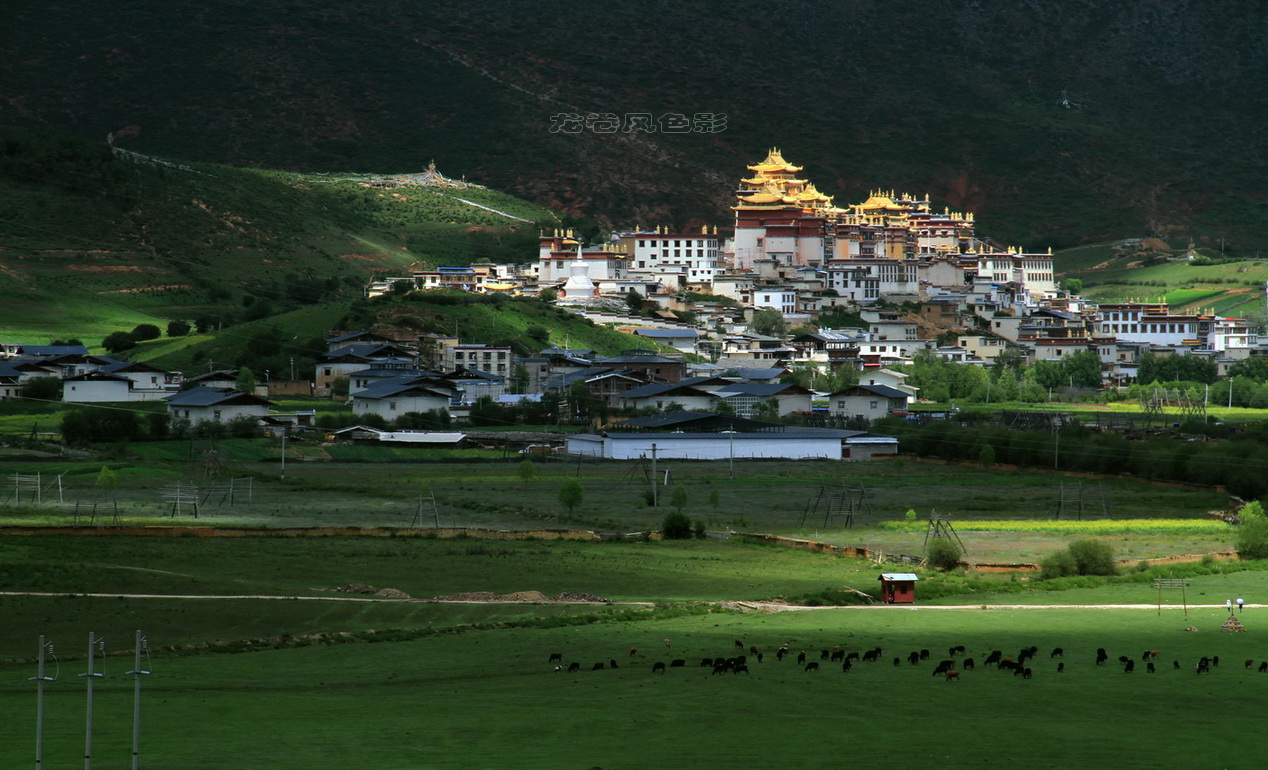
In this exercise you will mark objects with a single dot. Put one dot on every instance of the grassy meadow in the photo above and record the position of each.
(486, 696)
(271, 667)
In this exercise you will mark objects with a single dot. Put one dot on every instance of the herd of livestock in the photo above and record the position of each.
(950, 667)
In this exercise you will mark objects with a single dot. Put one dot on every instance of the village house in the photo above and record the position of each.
(869, 402)
(204, 403)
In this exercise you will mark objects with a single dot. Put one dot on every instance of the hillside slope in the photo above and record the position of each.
(93, 241)
(1058, 122)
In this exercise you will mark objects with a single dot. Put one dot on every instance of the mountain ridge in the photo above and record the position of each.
(1056, 122)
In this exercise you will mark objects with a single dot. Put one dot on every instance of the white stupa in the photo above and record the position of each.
(578, 286)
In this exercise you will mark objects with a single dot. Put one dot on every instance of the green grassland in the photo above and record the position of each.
(331, 485)
(1228, 288)
(470, 685)
(93, 243)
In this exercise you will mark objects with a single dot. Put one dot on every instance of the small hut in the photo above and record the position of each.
(898, 587)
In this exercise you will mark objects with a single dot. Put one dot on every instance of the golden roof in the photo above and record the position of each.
(762, 197)
(774, 162)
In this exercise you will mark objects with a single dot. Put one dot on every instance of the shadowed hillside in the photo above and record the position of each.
(1058, 122)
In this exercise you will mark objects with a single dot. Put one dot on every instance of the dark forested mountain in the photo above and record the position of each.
(1058, 121)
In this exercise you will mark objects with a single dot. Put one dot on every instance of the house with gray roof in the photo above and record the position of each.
(870, 402)
(216, 404)
(396, 397)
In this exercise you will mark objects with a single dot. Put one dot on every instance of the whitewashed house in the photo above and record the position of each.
(216, 404)
(394, 398)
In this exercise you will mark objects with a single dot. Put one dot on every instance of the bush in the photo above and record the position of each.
(146, 332)
(118, 341)
(1093, 557)
(699, 530)
(1057, 564)
(177, 328)
(943, 553)
(42, 389)
(1088, 556)
(1252, 532)
(676, 526)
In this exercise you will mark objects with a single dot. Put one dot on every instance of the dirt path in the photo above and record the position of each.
(739, 605)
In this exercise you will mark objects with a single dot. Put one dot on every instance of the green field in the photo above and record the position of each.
(259, 661)
(380, 486)
(469, 685)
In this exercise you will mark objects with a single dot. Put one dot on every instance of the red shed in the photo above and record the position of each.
(898, 587)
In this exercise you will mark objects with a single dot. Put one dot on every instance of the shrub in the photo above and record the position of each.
(1057, 564)
(42, 389)
(676, 526)
(118, 341)
(146, 332)
(699, 530)
(177, 328)
(1252, 532)
(1093, 557)
(942, 553)
(570, 494)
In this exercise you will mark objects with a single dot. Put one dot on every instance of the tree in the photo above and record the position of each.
(1072, 285)
(245, 381)
(85, 426)
(42, 389)
(942, 553)
(1093, 557)
(570, 494)
(548, 295)
(144, 332)
(714, 499)
(676, 526)
(117, 342)
(1252, 532)
(526, 471)
(1082, 369)
(679, 498)
(769, 321)
(634, 301)
(177, 328)
(106, 480)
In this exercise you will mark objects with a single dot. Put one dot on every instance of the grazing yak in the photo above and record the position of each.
(556, 657)
(1057, 652)
(574, 666)
(658, 667)
(846, 666)
(812, 665)
(953, 676)
(678, 663)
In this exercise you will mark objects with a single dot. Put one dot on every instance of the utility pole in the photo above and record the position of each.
(654, 479)
(40, 679)
(93, 644)
(283, 453)
(137, 671)
(1056, 448)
